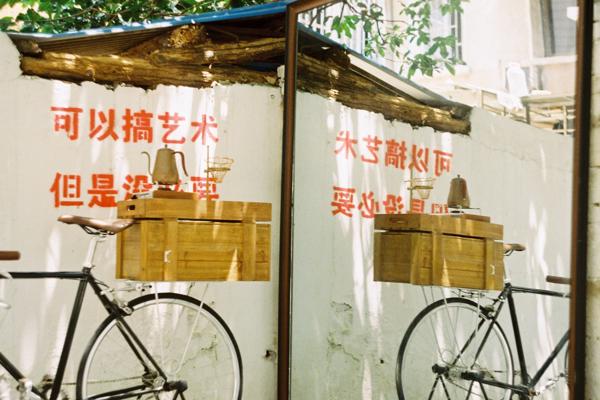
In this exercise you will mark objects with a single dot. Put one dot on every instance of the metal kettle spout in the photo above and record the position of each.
(149, 161)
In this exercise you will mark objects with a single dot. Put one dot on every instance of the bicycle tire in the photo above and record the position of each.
(418, 372)
(208, 341)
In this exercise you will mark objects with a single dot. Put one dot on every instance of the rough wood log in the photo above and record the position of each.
(136, 71)
(224, 53)
(352, 90)
(178, 38)
(392, 107)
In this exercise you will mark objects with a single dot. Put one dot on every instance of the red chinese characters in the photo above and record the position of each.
(343, 201)
(393, 204)
(437, 208)
(368, 206)
(419, 158)
(395, 153)
(136, 184)
(103, 191)
(170, 124)
(205, 187)
(442, 162)
(137, 126)
(102, 125)
(372, 145)
(417, 206)
(206, 128)
(66, 119)
(67, 190)
(345, 144)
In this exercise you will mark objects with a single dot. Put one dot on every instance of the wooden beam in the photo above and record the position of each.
(178, 38)
(224, 53)
(137, 71)
(352, 90)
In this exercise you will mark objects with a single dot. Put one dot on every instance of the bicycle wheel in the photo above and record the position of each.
(446, 341)
(188, 342)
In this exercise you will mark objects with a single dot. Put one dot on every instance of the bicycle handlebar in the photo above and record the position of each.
(9, 255)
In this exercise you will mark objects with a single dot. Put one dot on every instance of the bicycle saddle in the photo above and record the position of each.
(114, 226)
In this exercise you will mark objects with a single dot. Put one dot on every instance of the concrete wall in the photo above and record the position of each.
(33, 150)
(346, 327)
(498, 32)
(593, 288)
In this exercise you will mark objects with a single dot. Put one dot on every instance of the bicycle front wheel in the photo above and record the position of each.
(188, 341)
(448, 344)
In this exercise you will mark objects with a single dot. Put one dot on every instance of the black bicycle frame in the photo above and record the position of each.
(527, 386)
(85, 278)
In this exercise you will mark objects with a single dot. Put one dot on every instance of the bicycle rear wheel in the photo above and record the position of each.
(187, 339)
(446, 341)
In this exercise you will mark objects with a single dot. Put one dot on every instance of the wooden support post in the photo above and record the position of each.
(170, 255)
(249, 250)
(489, 280)
(437, 258)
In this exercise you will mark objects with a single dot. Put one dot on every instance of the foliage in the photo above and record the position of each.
(53, 16)
(406, 38)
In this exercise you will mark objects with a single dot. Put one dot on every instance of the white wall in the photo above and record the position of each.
(346, 327)
(32, 152)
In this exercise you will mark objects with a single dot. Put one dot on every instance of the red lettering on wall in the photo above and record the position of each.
(103, 191)
(343, 201)
(345, 144)
(66, 119)
(137, 126)
(67, 190)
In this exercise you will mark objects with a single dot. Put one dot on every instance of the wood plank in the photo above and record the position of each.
(171, 255)
(437, 258)
(249, 250)
(446, 224)
(194, 209)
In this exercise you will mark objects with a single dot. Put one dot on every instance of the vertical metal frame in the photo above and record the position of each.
(287, 186)
(579, 233)
(580, 196)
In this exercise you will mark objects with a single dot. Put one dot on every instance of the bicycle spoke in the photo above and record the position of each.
(469, 391)
(445, 388)
(437, 378)
(189, 340)
(483, 391)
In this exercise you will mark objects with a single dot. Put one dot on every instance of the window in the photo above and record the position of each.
(446, 25)
(558, 30)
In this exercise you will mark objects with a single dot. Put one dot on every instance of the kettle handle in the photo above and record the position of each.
(146, 153)
(182, 161)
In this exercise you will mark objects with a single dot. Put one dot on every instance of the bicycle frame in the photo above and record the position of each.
(86, 278)
(528, 385)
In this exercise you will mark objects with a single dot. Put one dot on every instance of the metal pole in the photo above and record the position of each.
(287, 177)
(579, 238)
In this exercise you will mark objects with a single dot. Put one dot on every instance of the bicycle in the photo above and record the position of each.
(456, 348)
(157, 346)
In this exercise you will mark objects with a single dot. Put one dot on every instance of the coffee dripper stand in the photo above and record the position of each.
(216, 168)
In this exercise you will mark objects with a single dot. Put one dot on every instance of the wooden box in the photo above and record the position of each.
(194, 240)
(439, 250)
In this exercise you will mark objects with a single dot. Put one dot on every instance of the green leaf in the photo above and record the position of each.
(450, 67)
